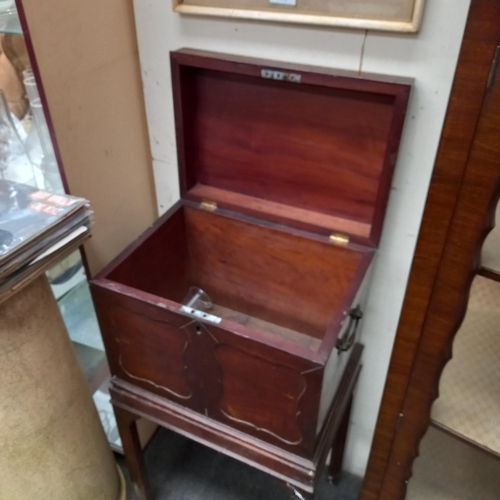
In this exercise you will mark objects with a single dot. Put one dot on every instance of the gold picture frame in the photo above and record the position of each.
(402, 16)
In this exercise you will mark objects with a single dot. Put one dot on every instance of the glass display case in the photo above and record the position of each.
(29, 155)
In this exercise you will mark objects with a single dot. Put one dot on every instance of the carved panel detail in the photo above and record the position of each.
(268, 404)
(160, 342)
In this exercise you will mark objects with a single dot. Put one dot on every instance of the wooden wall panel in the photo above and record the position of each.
(88, 61)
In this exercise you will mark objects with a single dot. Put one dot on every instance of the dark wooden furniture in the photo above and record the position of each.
(285, 175)
(459, 213)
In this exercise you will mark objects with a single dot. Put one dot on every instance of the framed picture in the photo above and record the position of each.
(386, 15)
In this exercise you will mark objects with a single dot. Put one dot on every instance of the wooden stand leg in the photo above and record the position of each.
(133, 453)
(338, 445)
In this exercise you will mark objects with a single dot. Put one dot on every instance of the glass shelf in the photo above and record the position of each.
(94, 364)
(79, 315)
(10, 23)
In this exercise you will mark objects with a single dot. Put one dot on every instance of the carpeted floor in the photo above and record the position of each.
(180, 469)
(469, 389)
(449, 469)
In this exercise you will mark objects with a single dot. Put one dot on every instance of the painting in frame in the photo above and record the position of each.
(386, 15)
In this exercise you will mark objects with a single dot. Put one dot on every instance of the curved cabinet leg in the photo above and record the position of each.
(338, 445)
(127, 426)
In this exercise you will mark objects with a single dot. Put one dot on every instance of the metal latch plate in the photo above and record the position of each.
(195, 313)
(281, 76)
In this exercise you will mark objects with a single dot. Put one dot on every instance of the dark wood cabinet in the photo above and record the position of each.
(285, 174)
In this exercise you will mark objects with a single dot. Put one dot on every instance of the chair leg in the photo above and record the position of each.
(338, 445)
(127, 426)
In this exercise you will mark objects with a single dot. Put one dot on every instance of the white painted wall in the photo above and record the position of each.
(430, 57)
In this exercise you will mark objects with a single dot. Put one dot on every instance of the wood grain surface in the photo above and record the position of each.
(457, 217)
(273, 275)
(325, 146)
(302, 473)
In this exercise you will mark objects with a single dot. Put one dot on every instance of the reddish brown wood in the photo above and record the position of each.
(247, 398)
(266, 272)
(161, 266)
(457, 217)
(188, 365)
(311, 75)
(302, 474)
(127, 426)
(134, 246)
(337, 456)
(266, 151)
(284, 279)
(325, 146)
(278, 212)
(489, 273)
(257, 146)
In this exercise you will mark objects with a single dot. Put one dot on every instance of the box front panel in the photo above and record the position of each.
(148, 346)
(268, 404)
(266, 392)
(258, 389)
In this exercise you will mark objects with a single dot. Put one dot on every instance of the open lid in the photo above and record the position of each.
(303, 146)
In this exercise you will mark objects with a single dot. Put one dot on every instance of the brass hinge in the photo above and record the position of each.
(208, 205)
(494, 69)
(340, 239)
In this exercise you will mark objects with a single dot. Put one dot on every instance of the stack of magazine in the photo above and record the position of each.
(37, 229)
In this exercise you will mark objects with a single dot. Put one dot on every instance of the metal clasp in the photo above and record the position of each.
(194, 313)
(345, 342)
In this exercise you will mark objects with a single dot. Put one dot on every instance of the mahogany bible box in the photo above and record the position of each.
(285, 173)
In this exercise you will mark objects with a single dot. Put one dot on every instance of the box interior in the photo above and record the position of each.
(261, 277)
(315, 153)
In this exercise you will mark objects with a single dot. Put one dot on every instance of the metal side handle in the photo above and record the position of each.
(346, 341)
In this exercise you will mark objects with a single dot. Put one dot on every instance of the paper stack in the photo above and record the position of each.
(37, 229)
